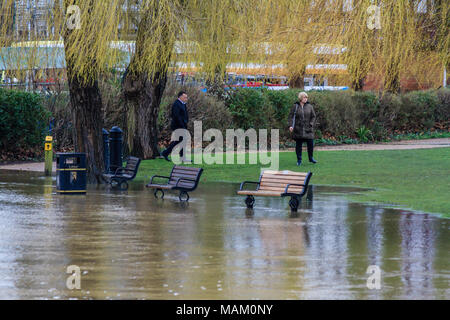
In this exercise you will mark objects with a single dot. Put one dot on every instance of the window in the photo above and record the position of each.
(422, 6)
(347, 5)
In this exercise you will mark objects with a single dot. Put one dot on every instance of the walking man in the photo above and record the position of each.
(180, 119)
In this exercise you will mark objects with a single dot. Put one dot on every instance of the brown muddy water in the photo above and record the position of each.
(129, 245)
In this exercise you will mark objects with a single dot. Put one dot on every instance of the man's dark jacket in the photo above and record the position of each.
(180, 117)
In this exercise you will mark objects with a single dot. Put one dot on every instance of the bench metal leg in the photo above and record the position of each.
(184, 196)
(156, 193)
(250, 202)
(114, 183)
(123, 185)
(294, 203)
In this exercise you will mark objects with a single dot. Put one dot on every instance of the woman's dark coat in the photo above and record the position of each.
(305, 121)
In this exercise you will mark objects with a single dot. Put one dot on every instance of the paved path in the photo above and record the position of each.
(398, 145)
(27, 166)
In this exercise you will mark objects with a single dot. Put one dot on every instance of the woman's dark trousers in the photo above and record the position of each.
(299, 146)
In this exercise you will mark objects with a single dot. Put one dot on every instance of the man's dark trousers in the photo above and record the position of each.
(180, 120)
(172, 145)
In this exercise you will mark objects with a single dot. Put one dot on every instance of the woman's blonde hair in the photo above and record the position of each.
(302, 95)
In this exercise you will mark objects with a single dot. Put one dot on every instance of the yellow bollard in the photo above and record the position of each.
(48, 155)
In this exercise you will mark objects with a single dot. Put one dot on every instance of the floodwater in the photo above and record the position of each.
(129, 245)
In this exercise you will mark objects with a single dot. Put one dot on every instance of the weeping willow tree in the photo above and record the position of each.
(87, 54)
(433, 51)
(87, 30)
(200, 34)
(396, 41)
(359, 54)
(220, 31)
(307, 34)
(301, 35)
(159, 24)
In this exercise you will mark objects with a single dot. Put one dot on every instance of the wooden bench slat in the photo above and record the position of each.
(160, 186)
(281, 186)
(176, 176)
(286, 173)
(260, 193)
(190, 173)
(186, 170)
(184, 178)
(184, 175)
(174, 181)
(282, 190)
(283, 178)
(273, 176)
(276, 183)
(284, 184)
(133, 164)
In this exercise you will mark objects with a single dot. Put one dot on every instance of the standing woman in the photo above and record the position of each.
(301, 125)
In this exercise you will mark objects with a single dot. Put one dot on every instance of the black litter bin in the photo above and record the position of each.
(115, 149)
(71, 173)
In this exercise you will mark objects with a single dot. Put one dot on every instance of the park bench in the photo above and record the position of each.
(278, 184)
(182, 179)
(119, 178)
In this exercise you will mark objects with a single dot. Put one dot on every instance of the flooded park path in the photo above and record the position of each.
(129, 245)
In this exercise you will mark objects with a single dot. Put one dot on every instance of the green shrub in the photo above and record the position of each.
(250, 108)
(354, 115)
(23, 121)
(417, 112)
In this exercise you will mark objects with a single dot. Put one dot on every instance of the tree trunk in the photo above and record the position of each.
(297, 81)
(392, 78)
(143, 90)
(358, 84)
(86, 104)
(143, 97)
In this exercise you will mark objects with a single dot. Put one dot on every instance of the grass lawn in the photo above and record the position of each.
(415, 179)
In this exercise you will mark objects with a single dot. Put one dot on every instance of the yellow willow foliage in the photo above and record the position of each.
(213, 33)
(159, 23)
(396, 39)
(26, 47)
(284, 36)
(298, 33)
(301, 33)
(359, 54)
(88, 49)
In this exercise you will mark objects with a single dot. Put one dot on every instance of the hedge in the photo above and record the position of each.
(341, 115)
(23, 121)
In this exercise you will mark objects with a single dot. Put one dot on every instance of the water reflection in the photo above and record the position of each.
(131, 246)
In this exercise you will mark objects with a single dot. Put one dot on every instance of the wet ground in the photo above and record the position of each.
(129, 245)
(395, 145)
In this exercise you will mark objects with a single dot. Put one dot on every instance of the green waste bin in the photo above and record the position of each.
(71, 173)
